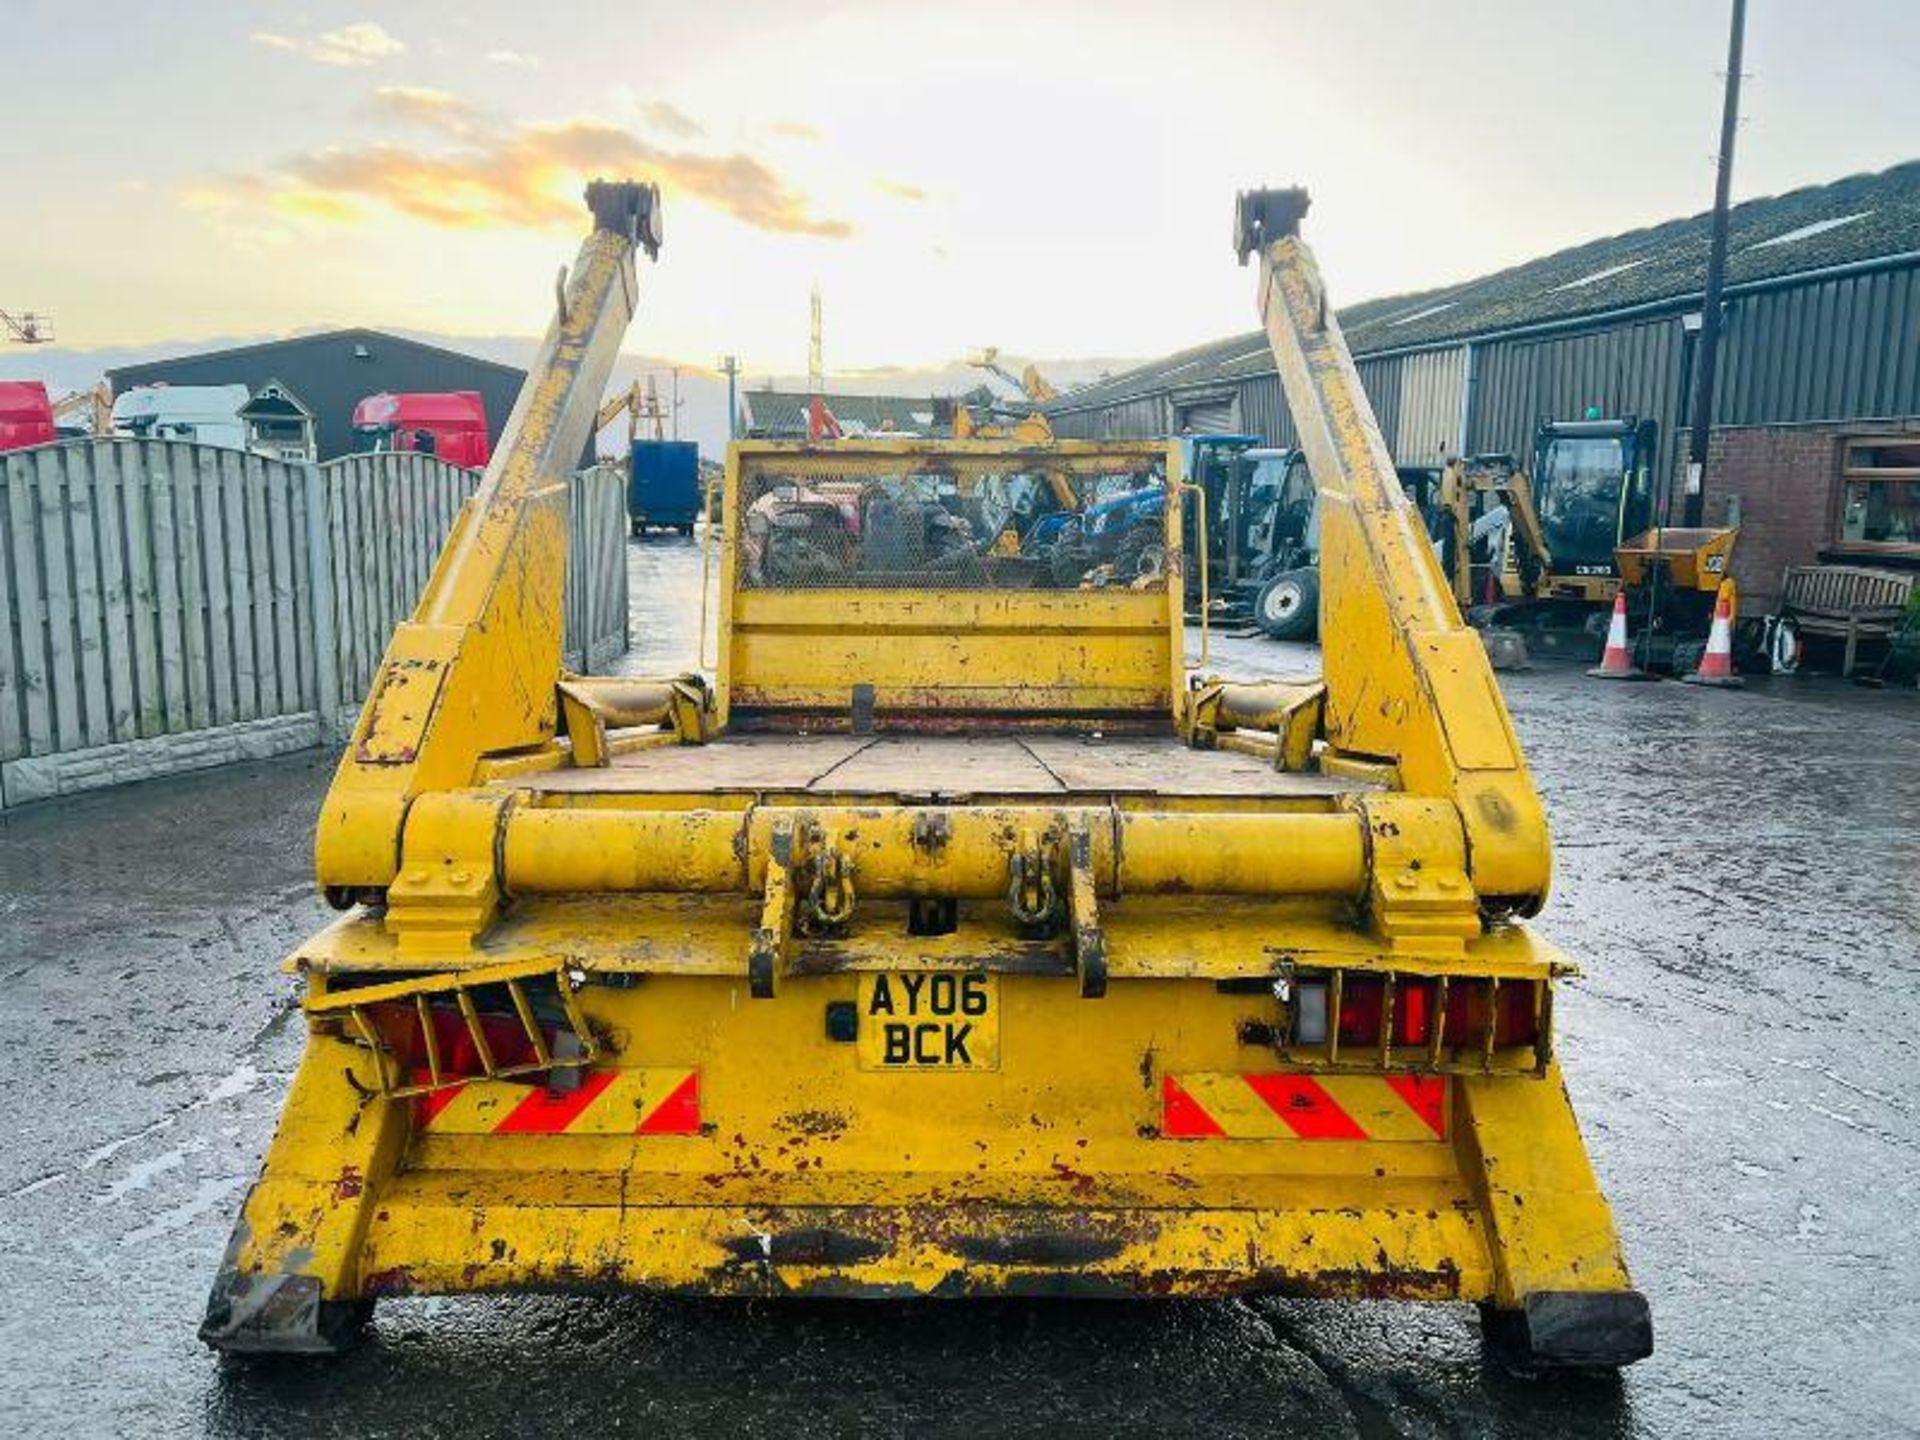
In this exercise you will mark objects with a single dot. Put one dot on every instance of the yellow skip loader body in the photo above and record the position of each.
(957, 936)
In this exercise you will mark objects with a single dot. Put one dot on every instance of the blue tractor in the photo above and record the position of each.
(1262, 535)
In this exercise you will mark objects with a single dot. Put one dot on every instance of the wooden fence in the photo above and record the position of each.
(171, 606)
(597, 599)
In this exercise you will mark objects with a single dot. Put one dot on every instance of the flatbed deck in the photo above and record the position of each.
(950, 767)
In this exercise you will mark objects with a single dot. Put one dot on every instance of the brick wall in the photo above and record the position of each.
(1783, 477)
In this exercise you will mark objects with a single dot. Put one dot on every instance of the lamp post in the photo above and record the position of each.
(1706, 370)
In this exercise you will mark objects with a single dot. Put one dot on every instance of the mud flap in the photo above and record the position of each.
(1570, 1330)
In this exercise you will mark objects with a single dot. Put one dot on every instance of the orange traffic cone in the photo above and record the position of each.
(1716, 666)
(1617, 661)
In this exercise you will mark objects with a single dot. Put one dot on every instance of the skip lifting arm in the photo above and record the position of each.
(1407, 682)
(474, 670)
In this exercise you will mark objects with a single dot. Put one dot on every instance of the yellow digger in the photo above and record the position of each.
(1545, 554)
(957, 937)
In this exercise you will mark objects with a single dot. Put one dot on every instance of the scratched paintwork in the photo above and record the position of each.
(1139, 921)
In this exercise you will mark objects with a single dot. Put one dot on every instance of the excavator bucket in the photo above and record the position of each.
(956, 937)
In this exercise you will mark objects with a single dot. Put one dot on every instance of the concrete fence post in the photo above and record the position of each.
(326, 648)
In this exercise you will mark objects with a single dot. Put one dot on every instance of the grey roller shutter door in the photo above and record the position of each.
(1206, 417)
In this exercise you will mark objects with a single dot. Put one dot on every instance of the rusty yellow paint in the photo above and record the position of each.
(557, 849)
(734, 931)
(1148, 937)
(1282, 719)
(402, 702)
(920, 1247)
(489, 622)
(1048, 1169)
(1550, 1226)
(447, 890)
(1386, 606)
(306, 1215)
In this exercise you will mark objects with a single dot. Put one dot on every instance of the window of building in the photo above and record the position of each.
(1880, 493)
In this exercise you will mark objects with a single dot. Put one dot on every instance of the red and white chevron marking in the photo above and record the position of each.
(606, 1102)
(1217, 1106)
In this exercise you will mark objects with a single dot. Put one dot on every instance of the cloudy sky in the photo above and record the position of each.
(1052, 178)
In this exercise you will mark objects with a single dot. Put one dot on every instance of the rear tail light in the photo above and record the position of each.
(438, 1039)
(1413, 1013)
(439, 1029)
(1362, 1002)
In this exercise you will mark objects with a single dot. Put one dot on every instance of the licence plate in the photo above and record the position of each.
(929, 1020)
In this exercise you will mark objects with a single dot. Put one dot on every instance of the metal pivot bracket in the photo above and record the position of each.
(772, 946)
(447, 891)
(1418, 892)
(1203, 712)
(1083, 909)
(690, 710)
(1273, 720)
(591, 708)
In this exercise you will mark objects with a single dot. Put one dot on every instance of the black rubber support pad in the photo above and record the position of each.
(280, 1315)
(1578, 1330)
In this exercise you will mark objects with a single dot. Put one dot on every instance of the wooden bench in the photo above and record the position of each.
(1846, 602)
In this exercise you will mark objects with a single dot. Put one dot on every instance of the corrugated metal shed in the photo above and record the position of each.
(1866, 361)
(1239, 358)
(1426, 429)
(1631, 369)
(1600, 324)
(333, 371)
(782, 414)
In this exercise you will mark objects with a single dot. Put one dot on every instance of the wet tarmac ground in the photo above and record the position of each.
(1737, 871)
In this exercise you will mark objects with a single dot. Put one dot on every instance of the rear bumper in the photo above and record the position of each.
(754, 1155)
(448, 1235)
(427, 1243)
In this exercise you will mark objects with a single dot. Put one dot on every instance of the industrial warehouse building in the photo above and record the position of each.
(1815, 450)
(782, 414)
(330, 373)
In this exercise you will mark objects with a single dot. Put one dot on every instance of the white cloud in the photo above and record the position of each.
(426, 107)
(513, 59)
(362, 43)
(796, 130)
(661, 116)
(503, 173)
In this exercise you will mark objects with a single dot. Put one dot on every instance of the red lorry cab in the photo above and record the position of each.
(452, 425)
(26, 415)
